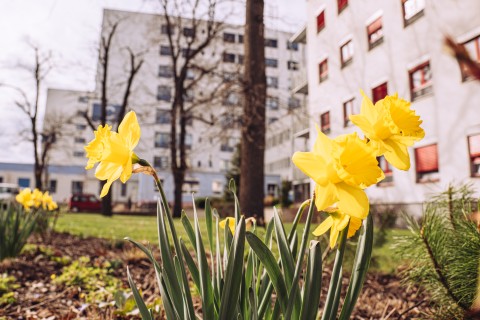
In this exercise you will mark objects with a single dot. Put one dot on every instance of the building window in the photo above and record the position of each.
(188, 95)
(412, 10)
(271, 120)
(77, 187)
(272, 43)
(161, 162)
(341, 4)
(79, 140)
(164, 93)
(228, 57)
(165, 71)
(325, 122)
(420, 81)
(78, 154)
(163, 116)
(375, 33)
(240, 38)
(81, 126)
(387, 170)
(191, 185)
(231, 99)
(188, 32)
(123, 190)
(321, 21)
(24, 182)
(188, 141)
(379, 92)
(292, 65)
(272, 82)
(348, 109)
(112, 112)
(272, 103)
(346, 53)
(217, 187)
(426, 162)
(473, 48)
(292, 46)
(165, 51)
(323, 71)
(228, 144)
(228, 37)
(52, 186)
(474, 152)
(162, 140)
(293, 103)
(186, 52)
(273, 63)
(83, 99)
(240, 59)
(166, 29)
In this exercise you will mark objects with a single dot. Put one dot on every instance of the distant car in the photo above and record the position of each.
(84, 202)
(8, 191)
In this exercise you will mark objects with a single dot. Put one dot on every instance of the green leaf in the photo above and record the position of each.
(142, 307)
(268, 260)
(313, 283)
(330, 311)
(187, 226)
(192, 267)
(233, 274)
(166, 300)
(360, 267)
(253, 304)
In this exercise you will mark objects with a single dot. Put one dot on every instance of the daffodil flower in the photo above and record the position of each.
(37, 196)
(114, 151)
(230, 222)
(336, 222)
(48, 203)
(341, 169)
(391, 126)
(25, 198)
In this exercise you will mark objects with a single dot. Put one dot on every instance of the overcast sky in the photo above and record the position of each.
(70, 30)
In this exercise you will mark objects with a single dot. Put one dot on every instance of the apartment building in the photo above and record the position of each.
(387, 47)
(212, 133)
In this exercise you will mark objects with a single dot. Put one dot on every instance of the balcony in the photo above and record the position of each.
(299, 81)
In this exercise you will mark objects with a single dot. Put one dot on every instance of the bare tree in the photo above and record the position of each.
(42, 140)
(187, 40)
(135, 63)
(253, 124)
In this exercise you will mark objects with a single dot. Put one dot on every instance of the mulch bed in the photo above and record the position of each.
(38, 297)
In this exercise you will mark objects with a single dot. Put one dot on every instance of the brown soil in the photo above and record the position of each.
(38, 297)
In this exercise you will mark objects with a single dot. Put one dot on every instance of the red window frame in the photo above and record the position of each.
(379, 92)
(387, 170)
(424, 74)
(426, 161)
(473, 48)
(375, 33)
(474, 154)
(348, 109)
(323, 70)
(320, 21)
(325, 122)
(341, 5)
(415, 15)
(344, 59)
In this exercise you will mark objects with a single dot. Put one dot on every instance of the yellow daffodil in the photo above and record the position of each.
(249, 222)
(48, 203)
(341, 169)
(336, 222)
(37, 196)
(114, 151)
(391, 126)
(25, 198)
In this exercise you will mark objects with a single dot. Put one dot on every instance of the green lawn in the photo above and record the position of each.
(143, 228)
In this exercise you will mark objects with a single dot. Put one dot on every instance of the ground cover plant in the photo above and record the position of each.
(238, 279)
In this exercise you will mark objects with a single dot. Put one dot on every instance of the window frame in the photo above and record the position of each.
(164, 97)
(408, 21)
(476, 40)
(341, 5)
(374, 98)
(474, 157)
(320, 19)
(425, 88)
(162, 143)
(229, 37)
(424, 175)
(387, 169)
(273, 62)
(165, 71)
(372, 30)
(345, 61)
(322, 76)
(325, 122)
(346, 115)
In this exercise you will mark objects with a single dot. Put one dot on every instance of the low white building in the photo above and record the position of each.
(384, 47)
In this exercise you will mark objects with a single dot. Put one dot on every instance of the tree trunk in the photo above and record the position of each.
(253, 125)
(107, 202)
(178, 178)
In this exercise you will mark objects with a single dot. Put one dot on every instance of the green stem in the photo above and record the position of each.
(329, 312)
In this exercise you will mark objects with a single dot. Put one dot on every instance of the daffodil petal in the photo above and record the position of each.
(323, 145)
(110, 180)
(354, 225)
(323, 227)
(127, 171)
(352, 201)
(311, 164)
(130, 130)
(343, 222)
(325, 196)
(397, 155)
(333, 236)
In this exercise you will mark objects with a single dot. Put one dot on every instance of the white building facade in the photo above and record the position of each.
(387, 47)
(210, 144)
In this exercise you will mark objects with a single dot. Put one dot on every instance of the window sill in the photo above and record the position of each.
(413, 18)
(347, 63)
(375, 44)
(322, 79)
(423, 92)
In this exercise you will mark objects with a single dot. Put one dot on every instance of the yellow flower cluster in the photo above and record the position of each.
(230, 222)
(114, 151)
(343, 167)
(36, 199)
